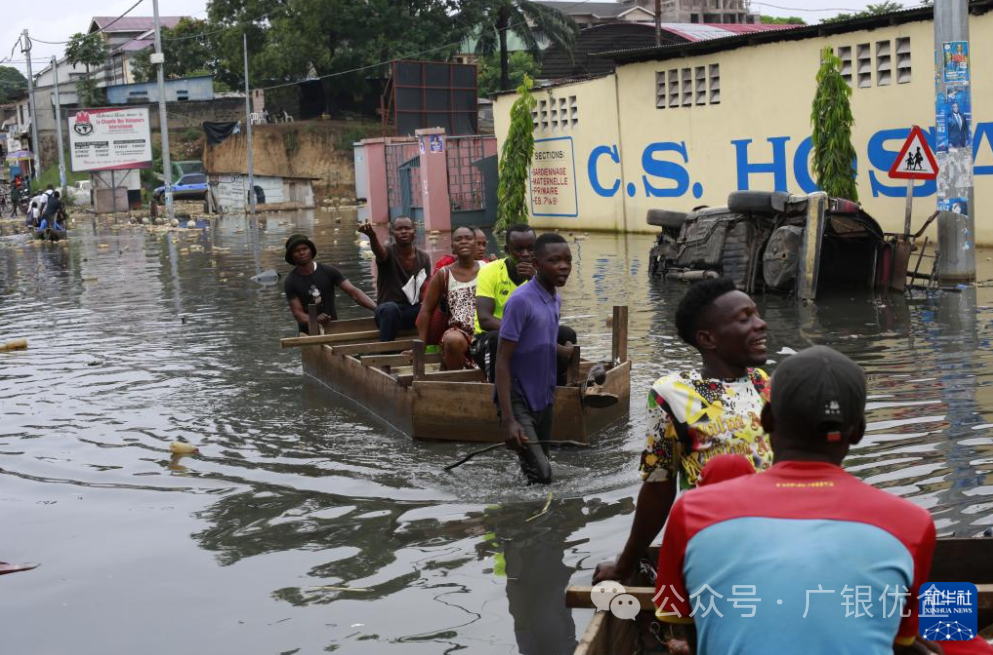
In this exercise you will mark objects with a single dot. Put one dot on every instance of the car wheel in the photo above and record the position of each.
(666, 218)
(745, 202)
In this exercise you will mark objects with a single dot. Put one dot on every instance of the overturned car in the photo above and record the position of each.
(761, 241)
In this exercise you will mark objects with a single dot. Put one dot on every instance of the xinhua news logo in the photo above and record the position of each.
(948, 611)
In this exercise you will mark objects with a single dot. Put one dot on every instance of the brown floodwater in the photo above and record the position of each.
(140, 338)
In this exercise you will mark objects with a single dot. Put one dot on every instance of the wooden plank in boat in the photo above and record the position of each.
(397, 360)
(373, 347)
(465, 375)
(325, 339)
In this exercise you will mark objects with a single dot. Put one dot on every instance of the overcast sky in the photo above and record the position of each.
(56, 20)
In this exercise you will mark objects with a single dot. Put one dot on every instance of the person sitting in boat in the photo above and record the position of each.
(401, 269)
(52, 208)
(802, 539)
(481, 245)
(497, 281)
(312, 283)
(527, 359)
(453, 286)
(696, 415)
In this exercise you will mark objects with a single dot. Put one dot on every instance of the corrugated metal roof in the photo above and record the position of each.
(132, 23)
(653, 53)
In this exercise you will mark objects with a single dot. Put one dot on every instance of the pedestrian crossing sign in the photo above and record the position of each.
(915, 161)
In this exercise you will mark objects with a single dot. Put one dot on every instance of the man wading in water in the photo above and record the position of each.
(311, 282)
(527, 358)
(695, 415)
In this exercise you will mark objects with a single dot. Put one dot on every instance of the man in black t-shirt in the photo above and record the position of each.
(313, 283)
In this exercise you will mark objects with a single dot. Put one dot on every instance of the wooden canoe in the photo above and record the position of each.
(955, 560)
(425, 402)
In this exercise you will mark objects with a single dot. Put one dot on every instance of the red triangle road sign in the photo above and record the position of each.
(915, 161)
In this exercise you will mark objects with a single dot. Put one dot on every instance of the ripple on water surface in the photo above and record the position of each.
(139, 339)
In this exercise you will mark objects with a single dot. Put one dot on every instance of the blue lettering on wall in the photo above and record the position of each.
(665, 169)
(882, 159)
(982, 130)
(777, 166)
(599, 151)
(801, 166)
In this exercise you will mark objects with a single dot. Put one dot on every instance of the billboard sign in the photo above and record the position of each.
(109, 138)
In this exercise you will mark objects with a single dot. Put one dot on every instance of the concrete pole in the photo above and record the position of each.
(253, 224)
(658, 23)
(35, 145)
(159, 60)
(956, 231)
(58, 131)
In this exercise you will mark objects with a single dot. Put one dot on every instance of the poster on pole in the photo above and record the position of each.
(109, 138)
(955, 56)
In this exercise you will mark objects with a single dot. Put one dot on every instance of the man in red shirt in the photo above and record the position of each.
(803, 557)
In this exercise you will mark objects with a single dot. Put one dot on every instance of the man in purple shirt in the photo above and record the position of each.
(527, 355)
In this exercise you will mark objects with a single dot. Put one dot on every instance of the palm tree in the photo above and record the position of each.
(533, 24)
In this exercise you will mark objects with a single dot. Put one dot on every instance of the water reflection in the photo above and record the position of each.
(139, 338)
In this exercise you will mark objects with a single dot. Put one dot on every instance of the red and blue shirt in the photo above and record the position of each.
(819, 561)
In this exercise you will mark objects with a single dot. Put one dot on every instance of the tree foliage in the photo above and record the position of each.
(488, 71)
(783, 20)
(885, 7)
(515, 160)
(295, 39)
(534, 24)
(12, 83)
(188, 49)
(88, 50)
(832, 121)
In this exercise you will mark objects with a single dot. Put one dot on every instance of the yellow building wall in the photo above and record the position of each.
(681, 157)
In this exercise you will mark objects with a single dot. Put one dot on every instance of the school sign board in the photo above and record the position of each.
(109, 138)
(915, 161)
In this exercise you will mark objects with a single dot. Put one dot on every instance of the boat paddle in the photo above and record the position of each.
(501, 445)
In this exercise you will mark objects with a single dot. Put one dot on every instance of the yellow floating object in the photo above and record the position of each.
(183, 448)
(16, 344)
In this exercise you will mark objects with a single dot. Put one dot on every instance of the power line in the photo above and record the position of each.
(99, 31)
(764, 4)
(416, 54)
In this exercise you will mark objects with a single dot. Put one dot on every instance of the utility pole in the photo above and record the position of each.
(35, 145)
(253, 224)
(953, 129)
(658, 23)
(58, 129)
(159, 60)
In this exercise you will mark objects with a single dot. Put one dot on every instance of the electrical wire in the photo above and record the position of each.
(765, 4)
(410, 56)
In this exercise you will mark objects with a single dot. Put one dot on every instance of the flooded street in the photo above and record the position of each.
(140, 338)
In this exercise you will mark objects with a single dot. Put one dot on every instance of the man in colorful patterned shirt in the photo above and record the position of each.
(805, 558)
(696, 415)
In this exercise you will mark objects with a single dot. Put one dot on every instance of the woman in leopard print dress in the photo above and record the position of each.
(454, 285)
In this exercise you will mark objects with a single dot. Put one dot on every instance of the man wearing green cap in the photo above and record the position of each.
(313, 283)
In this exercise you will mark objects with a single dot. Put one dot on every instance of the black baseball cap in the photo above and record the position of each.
(818, 392)
(294, 241)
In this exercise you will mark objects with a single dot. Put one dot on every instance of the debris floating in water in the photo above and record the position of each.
(544, 510)
(183, 448)
(16, 344)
